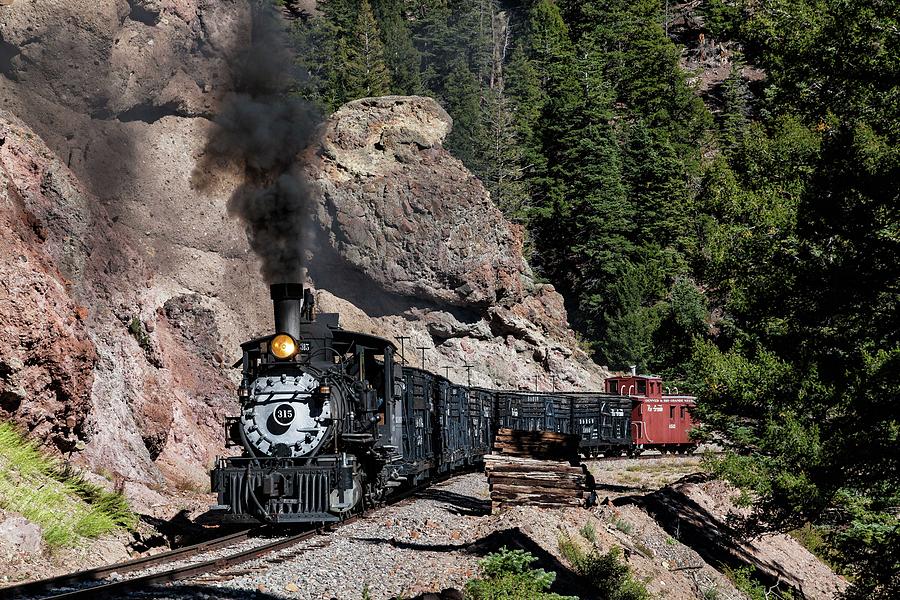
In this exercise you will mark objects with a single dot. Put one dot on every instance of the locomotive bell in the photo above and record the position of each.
(287, 300)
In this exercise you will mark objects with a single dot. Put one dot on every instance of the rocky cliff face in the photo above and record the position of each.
(126, 290)
(406, 235)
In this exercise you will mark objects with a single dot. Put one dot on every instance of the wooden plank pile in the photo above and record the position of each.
(536, 468)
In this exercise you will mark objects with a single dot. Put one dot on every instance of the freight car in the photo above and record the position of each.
(330, 422)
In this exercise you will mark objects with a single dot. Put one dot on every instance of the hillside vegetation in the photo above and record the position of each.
(54, 496)
(746, 246)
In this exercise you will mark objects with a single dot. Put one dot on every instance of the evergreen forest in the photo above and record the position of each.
(713, 187)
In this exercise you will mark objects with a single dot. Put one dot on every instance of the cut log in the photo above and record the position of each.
(525, 480)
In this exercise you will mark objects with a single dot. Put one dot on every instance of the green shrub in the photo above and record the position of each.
(506, 575)
(136, 328)
(744, 580)
(608, 573)
(588, 532)
(623, 526)
(54, 495)
(711, 593)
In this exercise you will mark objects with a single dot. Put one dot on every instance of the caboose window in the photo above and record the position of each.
(682, 412)
(614, 386)
(671, 412)
(641, 386)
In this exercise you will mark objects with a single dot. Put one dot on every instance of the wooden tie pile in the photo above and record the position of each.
(537, 468)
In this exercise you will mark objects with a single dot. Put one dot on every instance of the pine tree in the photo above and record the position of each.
(432, 36)
(340, 15)
(401, 56)
(366, 73)
(470, 138)
(526, 104)
(549, 45)
(656, 186)
(734, 118)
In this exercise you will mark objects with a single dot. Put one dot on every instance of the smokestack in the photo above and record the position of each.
(287, 299)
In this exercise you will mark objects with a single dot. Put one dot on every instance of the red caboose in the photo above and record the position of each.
(658, 421)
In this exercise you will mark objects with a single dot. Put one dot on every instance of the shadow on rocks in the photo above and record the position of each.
(184, 592)
(179, 531)
(567, 583)
(458, 504)
(448, 594)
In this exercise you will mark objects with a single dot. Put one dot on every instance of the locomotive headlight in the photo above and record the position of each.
(283, 346)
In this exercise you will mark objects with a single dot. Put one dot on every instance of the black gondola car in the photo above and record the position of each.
(602, 420)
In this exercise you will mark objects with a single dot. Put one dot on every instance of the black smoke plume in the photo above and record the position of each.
(265, 128)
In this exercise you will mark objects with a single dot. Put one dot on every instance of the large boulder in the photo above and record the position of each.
(407, 235)
(399, 207)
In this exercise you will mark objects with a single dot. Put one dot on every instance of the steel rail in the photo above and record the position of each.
(33, 588)
(115, 589)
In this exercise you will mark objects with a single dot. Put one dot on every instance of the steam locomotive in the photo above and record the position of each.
(331, 422)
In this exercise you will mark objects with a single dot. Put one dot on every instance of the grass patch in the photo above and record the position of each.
(812, 537)
(507, 575)
(711, 593)
(745, 581)
(623, 526)
(54, 495)
(608, 572)
(665, 467)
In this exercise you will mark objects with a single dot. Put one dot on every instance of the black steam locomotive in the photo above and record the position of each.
(330, 422)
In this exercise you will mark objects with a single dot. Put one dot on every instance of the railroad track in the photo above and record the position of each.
(107, 581)
(653, 456)
(96, 583)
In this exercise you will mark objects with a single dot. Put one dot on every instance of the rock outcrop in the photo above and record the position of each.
(132, 60)
(87, 361)
(408, 235)
(399, 208)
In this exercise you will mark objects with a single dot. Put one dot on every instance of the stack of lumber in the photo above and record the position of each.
(531, 468)
(542, 445)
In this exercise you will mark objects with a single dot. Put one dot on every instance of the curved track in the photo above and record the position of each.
(94, 583)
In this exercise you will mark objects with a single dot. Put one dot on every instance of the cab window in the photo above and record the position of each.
(641, 386)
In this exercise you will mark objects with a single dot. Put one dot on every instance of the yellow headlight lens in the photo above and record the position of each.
(283, 346)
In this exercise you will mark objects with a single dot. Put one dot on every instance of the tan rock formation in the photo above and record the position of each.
(398, 207)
